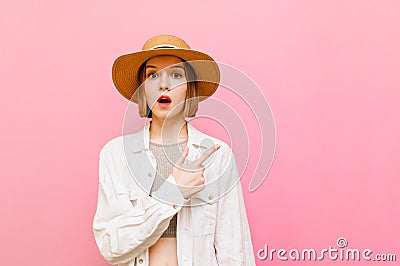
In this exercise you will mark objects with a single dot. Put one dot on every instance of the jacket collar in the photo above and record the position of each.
(140, 140)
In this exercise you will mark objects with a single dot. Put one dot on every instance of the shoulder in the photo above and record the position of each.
(118, 142)
(112, 146)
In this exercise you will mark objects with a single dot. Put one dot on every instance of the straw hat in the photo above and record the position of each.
(125, 68)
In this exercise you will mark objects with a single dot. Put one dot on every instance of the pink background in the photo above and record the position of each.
(329, 69)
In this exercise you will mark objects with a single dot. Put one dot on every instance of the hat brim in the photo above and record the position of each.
(125, 70)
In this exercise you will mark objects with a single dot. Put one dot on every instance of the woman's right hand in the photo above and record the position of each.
(189, 176)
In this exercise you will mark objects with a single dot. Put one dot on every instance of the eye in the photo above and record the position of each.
(176, 75)
(152, 75)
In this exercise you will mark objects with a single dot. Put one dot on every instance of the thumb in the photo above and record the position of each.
(183, 155)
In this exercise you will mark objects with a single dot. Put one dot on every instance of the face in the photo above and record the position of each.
(165, 76)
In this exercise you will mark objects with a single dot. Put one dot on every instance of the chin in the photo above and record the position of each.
(166, 114)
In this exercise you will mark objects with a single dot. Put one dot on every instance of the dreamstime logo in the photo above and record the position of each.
(226, 114)
(341, 253)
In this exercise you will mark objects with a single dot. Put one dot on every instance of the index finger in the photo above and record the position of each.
(207, 153)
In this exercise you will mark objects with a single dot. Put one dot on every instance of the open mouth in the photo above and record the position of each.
(164, 100)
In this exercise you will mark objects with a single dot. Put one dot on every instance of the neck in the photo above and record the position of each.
(168, 131)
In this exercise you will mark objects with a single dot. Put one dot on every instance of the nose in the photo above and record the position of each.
(164, 84)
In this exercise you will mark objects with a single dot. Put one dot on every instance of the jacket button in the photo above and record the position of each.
(140, 261)
(174, 206)
(210, 197)
(150, 174)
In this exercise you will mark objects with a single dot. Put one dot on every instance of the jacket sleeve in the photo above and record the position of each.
(232, 242)
(126, 224)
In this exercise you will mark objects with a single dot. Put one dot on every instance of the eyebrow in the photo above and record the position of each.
(151, 66)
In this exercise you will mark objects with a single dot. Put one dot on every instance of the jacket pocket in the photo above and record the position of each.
(203, 219)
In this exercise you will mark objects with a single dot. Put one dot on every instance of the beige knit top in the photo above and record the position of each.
(165, 156)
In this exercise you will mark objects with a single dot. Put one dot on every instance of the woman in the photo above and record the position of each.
(159, 202)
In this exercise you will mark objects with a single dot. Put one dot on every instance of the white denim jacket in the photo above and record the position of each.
(212, 226)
